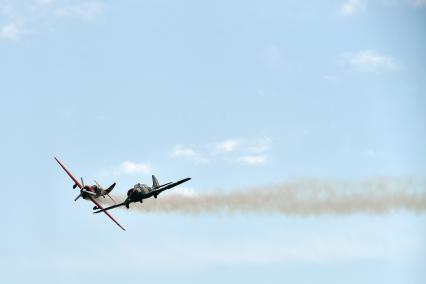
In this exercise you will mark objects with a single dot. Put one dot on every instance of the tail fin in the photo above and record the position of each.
(155, 183)
(109, 189)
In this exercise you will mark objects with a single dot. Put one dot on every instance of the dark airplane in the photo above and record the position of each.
(141, 191)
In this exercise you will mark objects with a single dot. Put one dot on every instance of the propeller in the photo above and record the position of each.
(77, 197)
(82, 184)
(127, 201)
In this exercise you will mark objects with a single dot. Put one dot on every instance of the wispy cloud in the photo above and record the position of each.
(351, 7)
(370, 61)
(251, 152)
(227, 145)
(128, 168)
(188, 152)
(11, 31)
(19, 18)
(82, 11)
(254, 160)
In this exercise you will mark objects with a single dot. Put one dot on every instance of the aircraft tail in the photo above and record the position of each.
(155, 183)
(109, 189)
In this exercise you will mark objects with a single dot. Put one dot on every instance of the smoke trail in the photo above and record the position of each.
(300, 198)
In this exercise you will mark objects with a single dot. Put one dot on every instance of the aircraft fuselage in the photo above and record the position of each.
(139, 192)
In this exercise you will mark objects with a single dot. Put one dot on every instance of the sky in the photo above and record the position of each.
(233, 94)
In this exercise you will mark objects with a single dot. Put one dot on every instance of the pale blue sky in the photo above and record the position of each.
(230, 93)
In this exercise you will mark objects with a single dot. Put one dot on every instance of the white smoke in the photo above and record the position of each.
(299, 198)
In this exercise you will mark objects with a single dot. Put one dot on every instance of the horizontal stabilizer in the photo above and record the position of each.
(168, 186)
(109, 189)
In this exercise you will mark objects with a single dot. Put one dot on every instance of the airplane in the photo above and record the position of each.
(139, 192)
(91, 192)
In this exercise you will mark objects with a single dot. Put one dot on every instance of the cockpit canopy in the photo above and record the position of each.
(141, 186)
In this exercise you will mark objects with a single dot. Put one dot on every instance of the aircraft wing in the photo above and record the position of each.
(111, 207)
(170, 185)
(103, 210)
(69, 174)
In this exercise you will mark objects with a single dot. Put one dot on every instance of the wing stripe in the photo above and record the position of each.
(101, 208)
(111, 207)
(69, 174)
